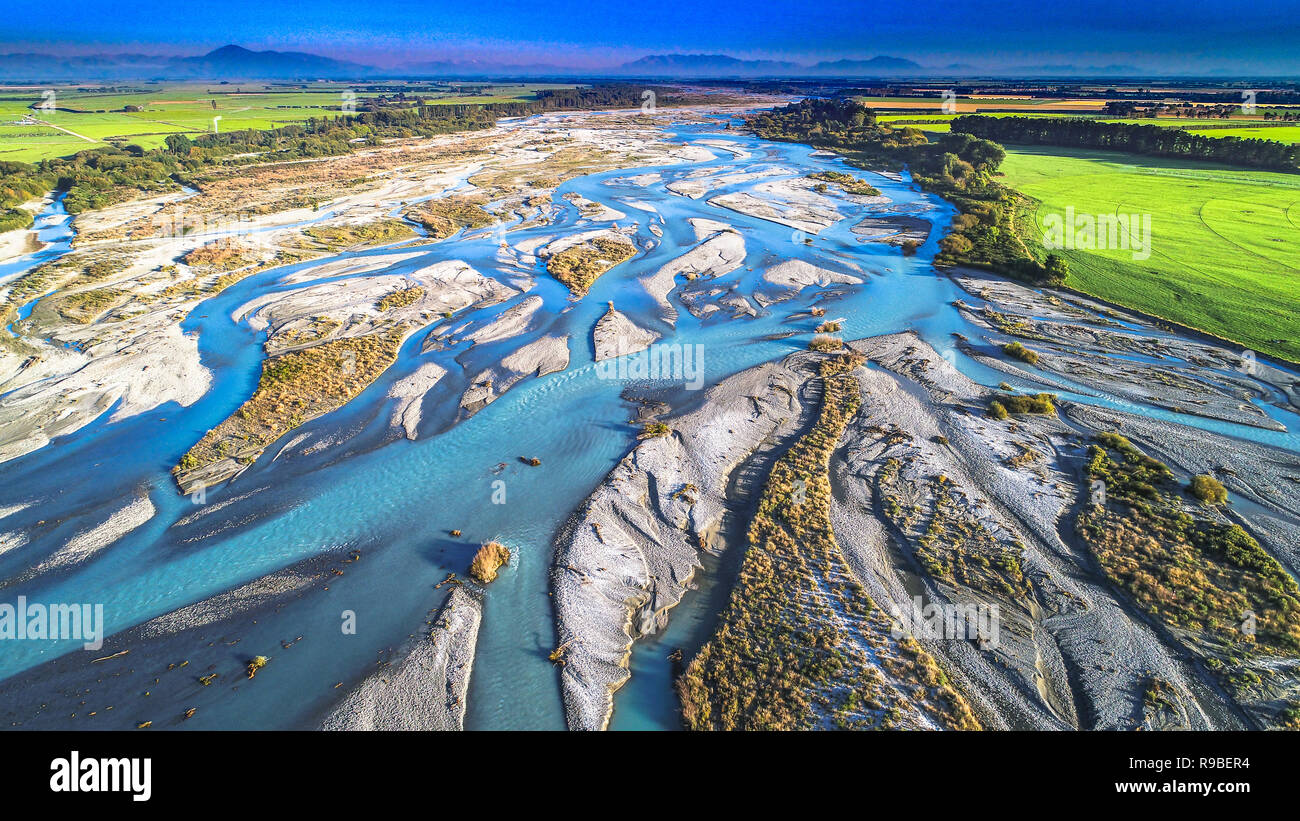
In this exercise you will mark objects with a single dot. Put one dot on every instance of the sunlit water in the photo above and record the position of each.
(396, 500)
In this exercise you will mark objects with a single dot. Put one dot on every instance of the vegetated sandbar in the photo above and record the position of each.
(353, 331)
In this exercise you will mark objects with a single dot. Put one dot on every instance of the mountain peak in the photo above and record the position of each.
(229, 50)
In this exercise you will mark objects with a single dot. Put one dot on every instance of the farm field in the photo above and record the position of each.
(1280, 133)
(1223, 257)
(970, 105)
(1212, 125)
(1246, 129)
(96, 118)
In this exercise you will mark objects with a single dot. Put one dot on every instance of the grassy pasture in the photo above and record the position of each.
(1247, 129)
(1279, 133)
(1224, 256)
(970, 105)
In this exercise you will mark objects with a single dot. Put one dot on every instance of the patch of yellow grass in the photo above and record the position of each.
(295, 388)
(490, 558)
(580, 265)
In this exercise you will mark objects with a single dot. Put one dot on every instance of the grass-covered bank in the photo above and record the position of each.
(959, 167)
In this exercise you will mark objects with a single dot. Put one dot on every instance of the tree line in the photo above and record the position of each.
(1149, 140)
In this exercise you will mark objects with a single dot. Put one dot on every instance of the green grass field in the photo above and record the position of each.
(95, 117)
(1279, 133)
(926, 120)
(1224, 252)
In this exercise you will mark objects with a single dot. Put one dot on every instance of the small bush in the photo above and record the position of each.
(1040, 403)
(1208, 489)
(490, 558)
(1017, 351)
(652, 430)
(825, 344)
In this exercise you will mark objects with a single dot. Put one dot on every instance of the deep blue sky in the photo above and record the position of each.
(1169, 35)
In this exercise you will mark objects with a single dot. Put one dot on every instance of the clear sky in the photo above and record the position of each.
(1164, 35)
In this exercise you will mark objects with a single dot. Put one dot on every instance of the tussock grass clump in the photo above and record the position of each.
(828, 328)
(1017, 351)
(256, 663)
(791, 649)
(400, 299)
(580, 265)
(1208, 489)
(825, 344)
(1290, 716)
(1003, 406)
(653, 430)
(490, 558)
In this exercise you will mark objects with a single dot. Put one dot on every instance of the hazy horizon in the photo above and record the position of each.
(1162, 37)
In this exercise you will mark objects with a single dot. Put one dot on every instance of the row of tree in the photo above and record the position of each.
(1149, 140)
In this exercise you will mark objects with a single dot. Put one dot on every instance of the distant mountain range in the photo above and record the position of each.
(227, 62)
(236, 60)
(237, 63)
(713, 65)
